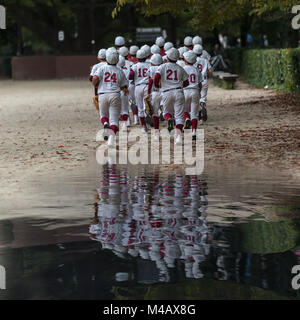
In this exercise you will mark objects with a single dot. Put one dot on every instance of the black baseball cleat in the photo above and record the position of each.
(106, 131)
(188, 124)
(170, 125)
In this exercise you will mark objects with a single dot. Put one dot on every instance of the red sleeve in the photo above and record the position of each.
(131, 75)
(91, 78)
(162, 52)
(186, 83)
(156, 80)
(150, 84)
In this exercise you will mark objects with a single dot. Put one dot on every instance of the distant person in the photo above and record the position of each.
(249, 40)
(265, 41)
(238, 43)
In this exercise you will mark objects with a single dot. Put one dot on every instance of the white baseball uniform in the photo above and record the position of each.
(125, 99)
(96, 67)
(203, 65)
(155, 94)
(206, 55)
(141, 85)
(111, 79)
(172, 78)
(192, 91)
(181, 63)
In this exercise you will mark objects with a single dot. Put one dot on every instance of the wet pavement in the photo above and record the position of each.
(151, 233)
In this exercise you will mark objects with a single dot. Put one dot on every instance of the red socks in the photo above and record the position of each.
(156, 122)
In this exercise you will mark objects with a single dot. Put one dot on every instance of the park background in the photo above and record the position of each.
(263, 26)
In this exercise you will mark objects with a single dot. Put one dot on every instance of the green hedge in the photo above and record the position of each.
(276, 68)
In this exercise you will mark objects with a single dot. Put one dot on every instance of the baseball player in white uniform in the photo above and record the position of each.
(180, 61)
(110, 80)
(124, 52)
(102, 60)
(153, 93)
(119, 42)
(139, 75)
(147, 50)
(205, 68)
(167, 46)
(192, 92)
(172, 78)
(124, 98)
(132, 54)
(160, 41)
(188, 43)
(132, 58)
(197, 40)
(155, 49)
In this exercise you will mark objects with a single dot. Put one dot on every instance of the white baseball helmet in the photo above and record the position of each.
(190, 57)
(121, 62)
(197, 40)
(119, 41)
(111, 49)
(133, 50)
(160, 41)
(123, 51)
(173, 54)
(168, 46)
(112, 57)
(188, 41)
(156, 59)
(147, 50)
(141, 54)
(198, 49)
(182, 50)
(102, 54)
(155, 49)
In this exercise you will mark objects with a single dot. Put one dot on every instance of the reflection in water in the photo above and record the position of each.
(160, 221)
(154, 240)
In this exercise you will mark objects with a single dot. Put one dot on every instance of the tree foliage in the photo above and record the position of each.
(207, 14)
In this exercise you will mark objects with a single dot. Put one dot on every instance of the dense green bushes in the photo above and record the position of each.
(276, 68)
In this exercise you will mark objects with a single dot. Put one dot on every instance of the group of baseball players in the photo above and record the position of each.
(173, 81)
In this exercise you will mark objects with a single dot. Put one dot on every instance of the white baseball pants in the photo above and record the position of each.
(204, 91)
(110, 107)
(124, 104)
(155, 101)
(173, 103)
(192, 97)
(131, 89)
(141, 92)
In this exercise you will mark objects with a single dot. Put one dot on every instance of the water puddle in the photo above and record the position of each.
(119, 232)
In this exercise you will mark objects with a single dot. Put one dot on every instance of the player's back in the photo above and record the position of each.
(172, 75)
(141, 73)
(181, 63)
(195, 77)
(96, 67)
(152, 71)
(112, 78)
(203, 66)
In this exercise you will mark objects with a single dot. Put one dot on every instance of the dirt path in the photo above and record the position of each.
(51, 125)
